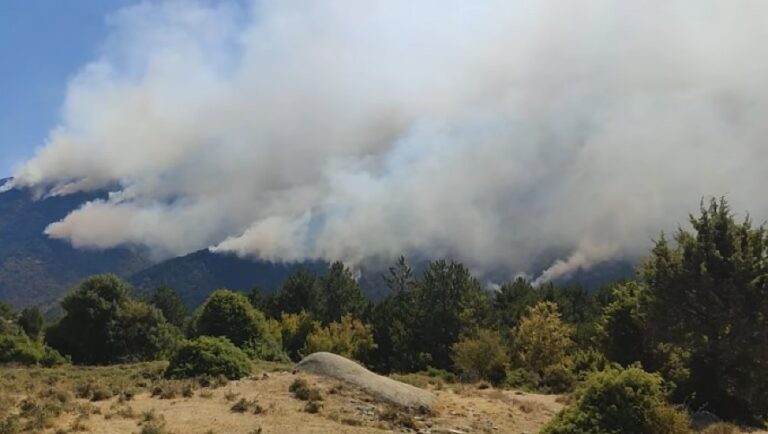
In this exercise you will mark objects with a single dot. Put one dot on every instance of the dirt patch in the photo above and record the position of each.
(264, 404)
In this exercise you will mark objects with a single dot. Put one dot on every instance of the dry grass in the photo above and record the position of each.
(130, 399)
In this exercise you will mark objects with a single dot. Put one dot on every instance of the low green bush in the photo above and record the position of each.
(522, 379)
(266, 348)
(588, 361)
(446, 376)
(21, 350)
(627, 401)
(210, 356)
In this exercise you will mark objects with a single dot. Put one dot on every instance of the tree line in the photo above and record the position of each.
(695, 318)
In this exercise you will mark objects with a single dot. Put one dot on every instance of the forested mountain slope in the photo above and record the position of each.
(35, 269)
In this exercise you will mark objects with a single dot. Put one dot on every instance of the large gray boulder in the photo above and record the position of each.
(384, 388)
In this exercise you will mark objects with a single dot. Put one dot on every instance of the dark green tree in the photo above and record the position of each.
(394, 320)
(231, 315)
(340, 295)
(512, 301)
(622, 327)
(710, 299)
(103, 324)
(449, 303)
(264, 302)
(169, 302)
(299, 292)
(31, 321)
(144, 333)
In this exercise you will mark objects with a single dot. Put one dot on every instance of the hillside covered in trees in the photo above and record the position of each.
(38, 270)
(690, 330)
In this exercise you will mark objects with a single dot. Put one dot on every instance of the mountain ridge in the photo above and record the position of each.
(38, 270)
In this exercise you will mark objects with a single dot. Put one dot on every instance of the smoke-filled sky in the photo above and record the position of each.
(496, 132)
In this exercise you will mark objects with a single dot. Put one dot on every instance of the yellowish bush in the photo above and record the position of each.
(349, 338)
(482, 356)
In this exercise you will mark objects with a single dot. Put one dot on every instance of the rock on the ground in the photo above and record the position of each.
(384, 388)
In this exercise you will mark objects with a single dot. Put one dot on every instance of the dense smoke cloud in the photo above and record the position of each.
(496, 132)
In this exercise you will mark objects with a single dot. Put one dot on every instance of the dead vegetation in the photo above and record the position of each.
(135, 399)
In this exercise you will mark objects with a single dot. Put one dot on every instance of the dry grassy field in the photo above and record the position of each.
(136, 399)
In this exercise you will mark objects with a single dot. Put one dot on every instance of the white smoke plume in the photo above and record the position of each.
(495, 131)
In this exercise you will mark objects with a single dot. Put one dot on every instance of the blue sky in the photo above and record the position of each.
(42, 44)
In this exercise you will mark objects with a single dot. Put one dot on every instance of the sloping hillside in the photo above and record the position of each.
(195, 275)
(35, 269)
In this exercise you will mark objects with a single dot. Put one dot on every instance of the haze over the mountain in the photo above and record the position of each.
(37, 269)
(296, 131)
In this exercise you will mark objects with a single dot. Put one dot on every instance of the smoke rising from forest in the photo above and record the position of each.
(495, 132)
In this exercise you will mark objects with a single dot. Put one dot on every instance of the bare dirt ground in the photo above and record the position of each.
(135, 399)
(343, 410)
(264, 404)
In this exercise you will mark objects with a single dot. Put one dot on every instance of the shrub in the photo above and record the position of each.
(522, 379)
(21, 350)
(587, 362)
(482, 356)
(53, 358)
(211, 356)
(232, 316)
(294, 329)
(442, 374)
(349, 338)
(313, 407)
(241, 406)
(266, 349)
(10, 425)
(620, 401)
(101, 393)
(302, 390)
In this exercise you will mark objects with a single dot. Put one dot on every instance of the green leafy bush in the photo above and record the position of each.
(210, 356)
(21, 350)
(620, 401)
(482, 356)
(522, 379)
(442, 374)
(588, 361)
(268, 349)
(53, 358)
